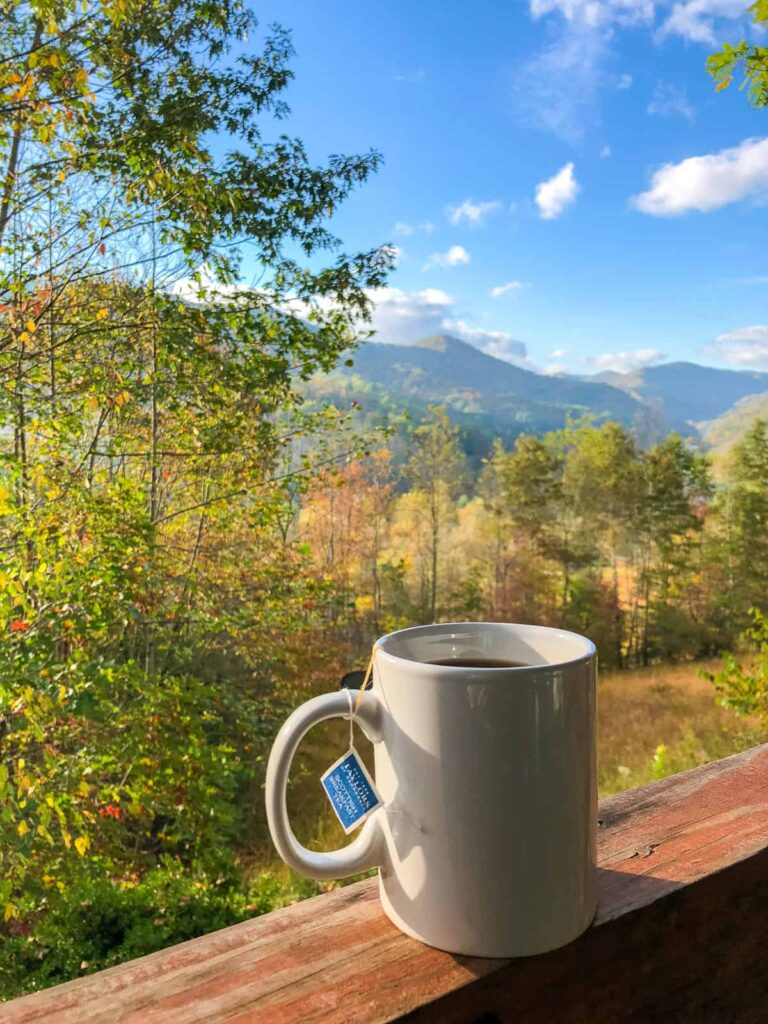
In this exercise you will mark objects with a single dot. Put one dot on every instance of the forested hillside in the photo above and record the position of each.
(489, 397)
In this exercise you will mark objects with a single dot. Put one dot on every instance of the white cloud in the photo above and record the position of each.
(499, 344)
(670, 101)
(473, 213)
(452, 258)
(623, 362)
(624, 82)
(559, 87)
(597, 13)
(400, 317)
(707, 182)
(203, 288)
(746, 346)
(556, 193)
(696, 20)
(396, 252)
(558, 353)
(404, 228)
(504, 289)
(605, 152)
(417, 75)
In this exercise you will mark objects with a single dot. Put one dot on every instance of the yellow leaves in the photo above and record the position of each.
(83, 788)
(22, 828)
(102, 314)
(43, 832)
(6, 507)
(31, 326)
(10, 911)
(24, 87)
(81, 845)
(122, 398)
(62, 176)
(724, 83)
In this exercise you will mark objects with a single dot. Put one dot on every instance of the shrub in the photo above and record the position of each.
(102, 923)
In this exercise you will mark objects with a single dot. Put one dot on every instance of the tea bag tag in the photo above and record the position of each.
(349, 786)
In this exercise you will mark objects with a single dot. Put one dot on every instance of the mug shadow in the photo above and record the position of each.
(619, 893)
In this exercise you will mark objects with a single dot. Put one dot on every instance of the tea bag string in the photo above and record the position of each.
(368, 674)
(351, 716)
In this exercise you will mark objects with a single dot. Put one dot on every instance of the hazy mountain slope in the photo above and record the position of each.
(492, 394)
(686, 392)
(722, 433)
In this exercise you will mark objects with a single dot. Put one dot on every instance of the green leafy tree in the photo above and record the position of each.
(531, 484)
(741, 511)
(147, 589)
(750, 58)
(602, 480)
(437, 471)
(743, 684)
(676, 489)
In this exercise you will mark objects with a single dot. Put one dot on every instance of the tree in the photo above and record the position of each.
(436, 469)
(149, 599)
(752, 59)
(745, 689)
(491, 488)
(742, 519)
(670, 523)
(531, 484)
(602, 480)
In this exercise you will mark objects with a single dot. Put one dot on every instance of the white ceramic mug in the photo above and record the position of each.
(486, 839)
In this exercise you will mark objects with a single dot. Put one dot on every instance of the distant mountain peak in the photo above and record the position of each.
(495, 398)
(442, 343)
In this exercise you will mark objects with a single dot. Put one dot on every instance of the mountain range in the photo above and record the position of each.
(490, 397)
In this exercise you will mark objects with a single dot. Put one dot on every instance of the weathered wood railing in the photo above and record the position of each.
(681, 935)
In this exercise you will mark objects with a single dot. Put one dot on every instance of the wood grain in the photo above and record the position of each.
(681, 935)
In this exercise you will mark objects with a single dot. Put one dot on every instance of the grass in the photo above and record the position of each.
(662, 720)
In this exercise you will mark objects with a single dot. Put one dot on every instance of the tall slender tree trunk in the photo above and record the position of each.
(9, 177)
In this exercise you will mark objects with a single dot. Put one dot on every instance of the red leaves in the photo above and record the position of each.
(110, 811)
(19, 626)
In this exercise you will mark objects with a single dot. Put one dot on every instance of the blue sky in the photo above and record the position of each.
(572, 150)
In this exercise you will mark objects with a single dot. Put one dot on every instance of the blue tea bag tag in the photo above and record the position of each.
(351, 791)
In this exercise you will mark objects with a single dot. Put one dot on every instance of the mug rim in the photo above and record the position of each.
(590, 651)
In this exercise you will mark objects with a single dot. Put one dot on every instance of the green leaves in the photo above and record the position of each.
(753, 60)
(151, 590)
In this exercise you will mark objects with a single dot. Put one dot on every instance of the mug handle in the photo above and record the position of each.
(367, 848)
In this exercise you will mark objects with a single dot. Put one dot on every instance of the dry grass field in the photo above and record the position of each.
(661, 720)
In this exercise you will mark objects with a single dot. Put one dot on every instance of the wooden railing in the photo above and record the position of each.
(681, 935)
